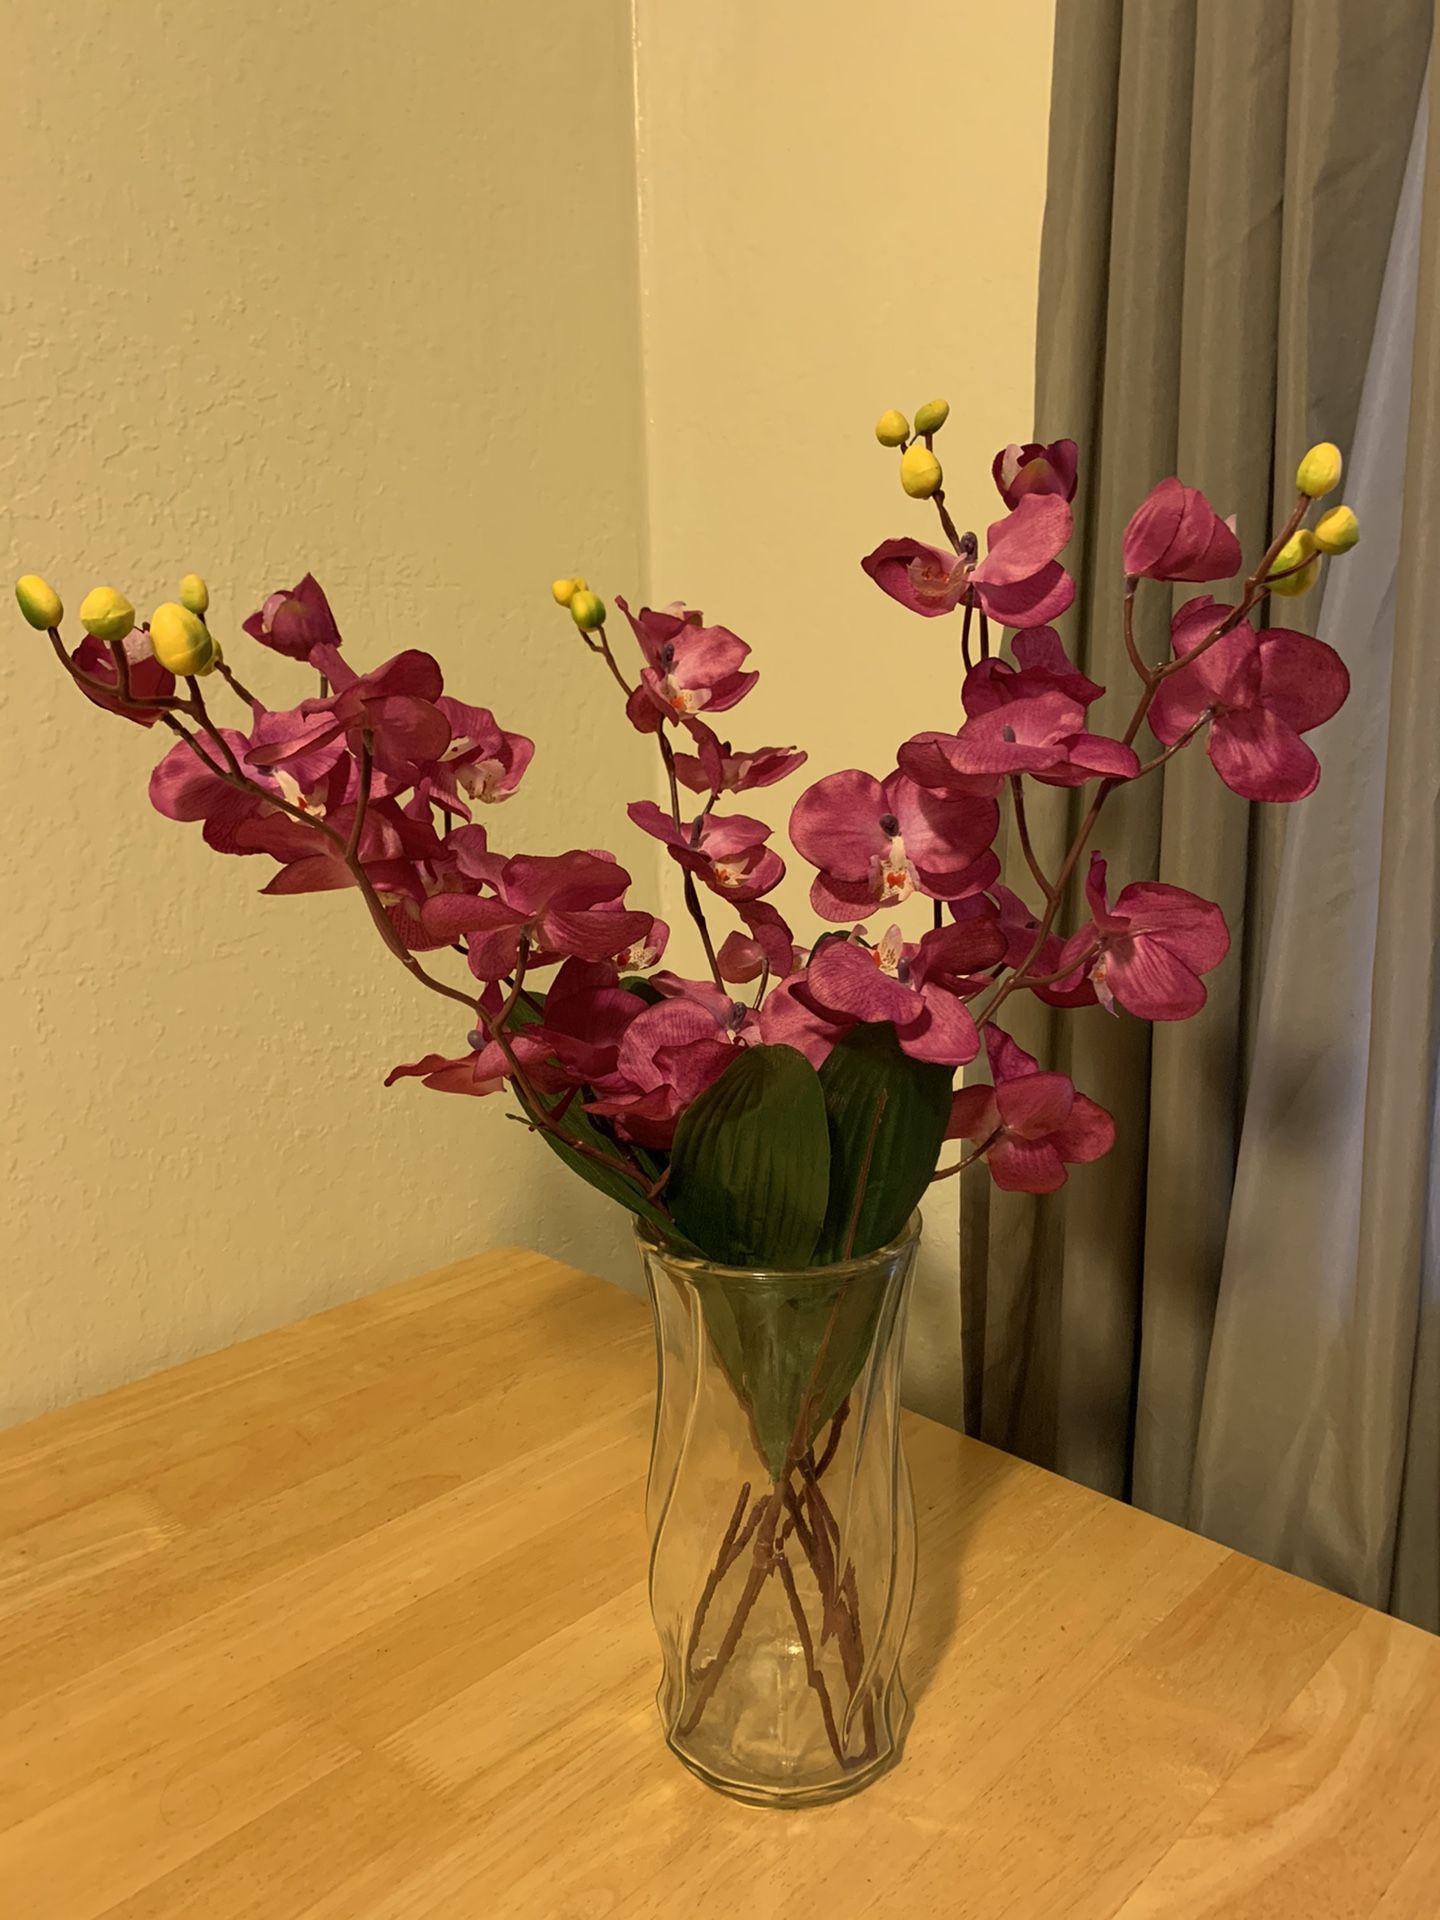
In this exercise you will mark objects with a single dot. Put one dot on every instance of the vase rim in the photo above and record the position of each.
(652, 1241)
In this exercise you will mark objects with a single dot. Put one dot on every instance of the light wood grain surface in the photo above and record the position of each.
(349, 1623)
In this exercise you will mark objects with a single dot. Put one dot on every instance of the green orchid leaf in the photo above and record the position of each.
(750, 1167)
(887, 1116)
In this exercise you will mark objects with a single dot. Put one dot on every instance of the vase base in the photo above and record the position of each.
(788, 1798)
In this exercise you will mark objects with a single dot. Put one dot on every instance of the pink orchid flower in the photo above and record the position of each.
(671, 1052)
(1175, 534)
(893, 982)
(1019, 583)
(1260, 693)
(875, 843)
(1037, 468)
(688, 666)
(1027, 718)
(148, 678)
(183, 787)
(1019, 926)
(769, 947)
(395, 706)
(790, 1017)
(558, 904)
(482, 762)
(1042, 734)
(296, 622)
(1034, 1125)
(311, 862)
(717, 768)
(727, 853)
(1147, 952)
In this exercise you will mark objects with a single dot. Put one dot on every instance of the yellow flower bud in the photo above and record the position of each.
(106, 613)
(1298, 548)
(39, 602)
(892, 429)
(1319, 472)
(1295, 584)
(1337, 531)
(932, 416)
(564, 591)
(181, 640)
(920, 473)
(587, 610)
(194, 594)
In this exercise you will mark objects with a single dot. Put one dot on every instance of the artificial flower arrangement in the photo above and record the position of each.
(784, 1114)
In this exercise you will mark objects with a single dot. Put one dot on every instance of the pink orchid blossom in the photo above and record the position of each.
(1019, 583)
(297, 622)
(148, 679)
(1042, 734)
(1147, 952)
(1041, 666)
(1027, 718)
(717, 768)
(482, 761)
(875, 843)
(670, 1053)
(311, 862)
(928, 580)
(394, 706)
(1175, 534)
(1260, 692)
(726, 852)
(1033, 1126)
(184, 787)
(689, 667)
(769, 946)
(1036, 468)
(557, 904)
(1019, 927)
(790, 1017)
(893, 982)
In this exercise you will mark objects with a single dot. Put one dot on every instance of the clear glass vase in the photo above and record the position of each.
(781, 1522)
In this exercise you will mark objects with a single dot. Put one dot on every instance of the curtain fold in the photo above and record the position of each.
(1223, 180)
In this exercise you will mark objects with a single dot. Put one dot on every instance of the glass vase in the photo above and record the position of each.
(781, 1521)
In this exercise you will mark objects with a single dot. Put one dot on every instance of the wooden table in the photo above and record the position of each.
(349, 1622)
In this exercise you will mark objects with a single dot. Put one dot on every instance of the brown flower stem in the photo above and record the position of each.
(601, 645)
(1175, 746)
(1022, 826)
(764, 1559)
(196, 706)
(832, 1441)
(1254, 591)
(362, 804)
(688, 888)
(960, 1165)
(984, 636)
(946, 522)
(235, 684)
(812, 1668)
(723, 1562)
(1131, 586)
(965, 622)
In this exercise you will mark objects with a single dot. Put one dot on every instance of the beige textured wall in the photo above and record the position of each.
(840, 213)
(343, 284)
(355, 286)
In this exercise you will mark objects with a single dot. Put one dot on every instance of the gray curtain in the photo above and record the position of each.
(1324, 1364)
(1223, 182)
